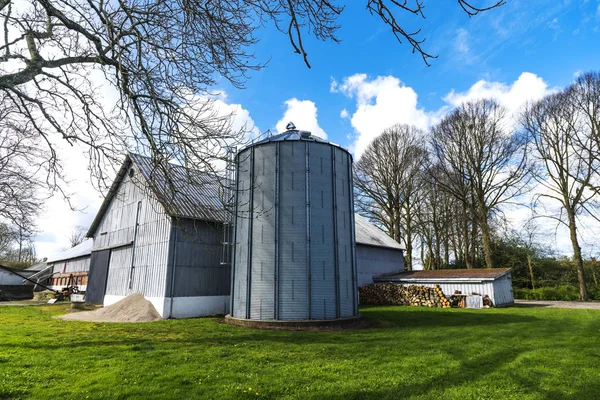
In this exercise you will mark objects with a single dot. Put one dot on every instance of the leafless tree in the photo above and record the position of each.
(585, 96)
(77, 235)
(482, 163)
(558, 129)
(161, 58)
(19, 172)
(387, 11)
(387, 179)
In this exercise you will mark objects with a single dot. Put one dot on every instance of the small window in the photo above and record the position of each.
(131, 173)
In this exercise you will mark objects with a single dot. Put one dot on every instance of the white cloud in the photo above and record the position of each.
(303, 113)
(527, 88)
(380, 103)
(344, 113)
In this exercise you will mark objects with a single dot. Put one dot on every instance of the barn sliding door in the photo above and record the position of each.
(96, 286)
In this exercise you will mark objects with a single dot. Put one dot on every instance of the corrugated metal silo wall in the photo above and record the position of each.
(289, 265)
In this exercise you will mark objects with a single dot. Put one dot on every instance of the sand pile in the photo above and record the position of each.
(133, 308)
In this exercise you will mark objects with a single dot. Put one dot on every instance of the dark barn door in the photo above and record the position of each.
(96, 286)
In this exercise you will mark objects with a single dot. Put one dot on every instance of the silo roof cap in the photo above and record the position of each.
(292, 135)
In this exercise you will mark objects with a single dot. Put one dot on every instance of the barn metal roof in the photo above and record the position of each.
(478, 274)
(187, 193)
(81, 250)
(369, 234)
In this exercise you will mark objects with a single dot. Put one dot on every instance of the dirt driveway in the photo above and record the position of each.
(558, 304)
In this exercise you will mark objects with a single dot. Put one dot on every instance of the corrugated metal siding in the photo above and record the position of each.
(323, 303)
(119, 267)
(262, 289)
(294, 258)
(503, 291)
(373, 261)
(197, 257)
(117, 228)
(344, 232)
(75, 265)
(293, 279)
(242, 224)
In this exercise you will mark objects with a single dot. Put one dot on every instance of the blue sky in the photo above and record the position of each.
(552, 39)
(518, 52)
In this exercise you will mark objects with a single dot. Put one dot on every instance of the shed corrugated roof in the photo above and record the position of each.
(462, 274)
(81, 250)
(369, 234)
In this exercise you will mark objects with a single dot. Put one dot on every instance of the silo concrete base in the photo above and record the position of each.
(296, 324)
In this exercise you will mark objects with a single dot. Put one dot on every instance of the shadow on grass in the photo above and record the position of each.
(387, 324)
(392, 317)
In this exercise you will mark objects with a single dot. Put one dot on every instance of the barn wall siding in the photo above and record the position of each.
(197, 260)
(150, 251)
(373, 261)
(74, 265)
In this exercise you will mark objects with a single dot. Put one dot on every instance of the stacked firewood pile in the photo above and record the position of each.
(396, 294)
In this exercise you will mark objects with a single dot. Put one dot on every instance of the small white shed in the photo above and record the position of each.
(495, 282)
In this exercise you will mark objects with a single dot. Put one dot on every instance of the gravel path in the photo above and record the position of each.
(558, 304)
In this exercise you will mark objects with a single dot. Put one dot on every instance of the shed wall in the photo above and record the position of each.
(372, 261)
(504, 291)
(500, 290)
(8, 278)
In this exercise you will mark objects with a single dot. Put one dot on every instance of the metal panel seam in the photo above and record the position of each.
(308, 258)
(276, 234)
(335, 235)
(250, 217)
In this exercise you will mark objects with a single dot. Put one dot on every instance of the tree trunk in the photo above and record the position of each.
(583, 292)
(473, 243)
(530, 265)
(409, 246)
(409, 249)
(466, 241)
(487, 243)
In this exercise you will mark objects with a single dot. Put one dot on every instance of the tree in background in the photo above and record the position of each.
(482, 162)
(565, 150)
(585, 96)
(78, 235)
(388, 179)
(163, 59)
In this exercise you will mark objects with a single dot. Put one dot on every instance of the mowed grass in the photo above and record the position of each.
(520, 353)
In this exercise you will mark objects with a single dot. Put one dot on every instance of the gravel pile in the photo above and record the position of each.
(133, 308)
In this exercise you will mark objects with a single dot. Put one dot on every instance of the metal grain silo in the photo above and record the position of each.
(294, 256)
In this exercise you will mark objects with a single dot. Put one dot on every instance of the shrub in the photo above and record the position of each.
(563, 293)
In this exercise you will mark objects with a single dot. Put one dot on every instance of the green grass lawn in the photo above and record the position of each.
(521, 353)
